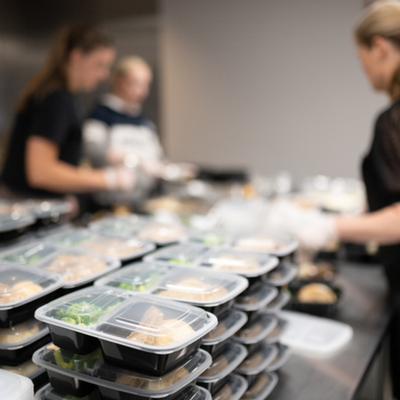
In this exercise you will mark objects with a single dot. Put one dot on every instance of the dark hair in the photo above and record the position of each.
(53, 74)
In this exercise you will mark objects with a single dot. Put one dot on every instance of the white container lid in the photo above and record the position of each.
(78, 266)
(278, 245)
(256, 297)
(141, 321)
(232, 356)
(239, 262)
(281, 275)
(114, 246)
(314, 336)
(123, 380)
(15, 387)
(181, 254)
(21, 284)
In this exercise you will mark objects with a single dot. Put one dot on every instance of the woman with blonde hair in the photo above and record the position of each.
(377, 37)
(45, 145)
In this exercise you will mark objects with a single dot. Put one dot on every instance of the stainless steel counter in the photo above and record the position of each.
(364, 307)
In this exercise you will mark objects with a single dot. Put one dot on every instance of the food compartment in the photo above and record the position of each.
(233, 389)
(262, 386)
(78, 267)
(316, 271)
(282, 275)
(214, 376)
(153, 335)
(201, 287)
(49, 393)
(113, 246)
(114, 382)
(22, 290)
(250, 265)
(228, 324)
(257, 361)
(256, 297)
(280, 360)
(71, 317)
(279, 302)
(280, 246)
(256, 330)
(315, 298)
(138, 277)
(180, 255)
(18, 343)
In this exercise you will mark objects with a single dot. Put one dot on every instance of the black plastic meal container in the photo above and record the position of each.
(70, 385)
(39, 378)
(112, 394)
(18, 356)
(146, 362)
(75, 342)
(216, 349)
(219, 309)
(327, 310)
(213, 387)
(13, 316)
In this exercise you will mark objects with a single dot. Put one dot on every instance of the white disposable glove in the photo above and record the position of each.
(120, 178)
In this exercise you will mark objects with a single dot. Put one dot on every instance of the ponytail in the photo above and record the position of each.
(53, 74)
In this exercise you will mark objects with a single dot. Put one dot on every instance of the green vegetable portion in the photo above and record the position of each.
(180, 260)
(75, 362)
(144, 282)
(83, 313)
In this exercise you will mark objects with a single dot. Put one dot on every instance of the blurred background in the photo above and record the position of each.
(266, 85)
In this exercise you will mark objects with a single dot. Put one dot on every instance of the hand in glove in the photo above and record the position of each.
(119, 178)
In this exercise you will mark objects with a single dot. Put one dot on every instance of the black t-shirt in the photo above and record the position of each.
(381, 174)
(54, 118)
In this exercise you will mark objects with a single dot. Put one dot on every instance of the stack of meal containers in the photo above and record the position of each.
(268, 276)
(23, 289)
(212, 291)
(116, 344)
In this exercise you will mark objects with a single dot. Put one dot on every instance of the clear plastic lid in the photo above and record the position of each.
(228, 324)
(280, 360)
(138, 277)
(239, 262)
(200, 286)
(195, 286)
(22, 334)
(97, 372)
(20, 284)
(275, 335)
(278, 303)
(161, 233)
(28, 369)
(277, 245)
(14, 221)
(208, 238)
(28, 253)
(281, 275)
(177, 255)
(15, 387)
(140, 321)
(231, 357)
(107, 245)
(259, 359)
(78, 266)
(256, 297)
(124, 224)
(257, 330)
(233, 389)
(50, 207)
(262, 387)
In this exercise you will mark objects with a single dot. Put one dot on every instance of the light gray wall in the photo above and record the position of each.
(268, 84)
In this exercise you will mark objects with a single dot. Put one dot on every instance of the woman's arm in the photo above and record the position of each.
(381, 226)
(45, 171)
